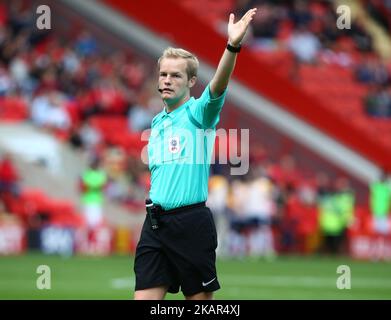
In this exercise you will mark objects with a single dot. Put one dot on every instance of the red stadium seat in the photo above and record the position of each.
(110, 126)
(13, 109)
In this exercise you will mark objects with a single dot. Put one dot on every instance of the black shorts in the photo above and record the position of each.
(181, 253)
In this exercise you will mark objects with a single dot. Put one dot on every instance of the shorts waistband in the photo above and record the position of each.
(160, 210)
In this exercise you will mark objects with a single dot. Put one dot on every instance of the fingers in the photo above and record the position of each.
(231, 18)
(248, 16)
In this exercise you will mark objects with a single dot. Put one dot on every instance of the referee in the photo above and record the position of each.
(178, 240)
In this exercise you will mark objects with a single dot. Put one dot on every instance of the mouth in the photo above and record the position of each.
(167, 90)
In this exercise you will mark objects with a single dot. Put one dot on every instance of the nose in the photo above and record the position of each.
(167, 79)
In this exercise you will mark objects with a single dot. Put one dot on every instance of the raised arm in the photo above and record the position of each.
(236, 32)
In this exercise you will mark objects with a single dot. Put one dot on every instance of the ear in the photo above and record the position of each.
(192, 81)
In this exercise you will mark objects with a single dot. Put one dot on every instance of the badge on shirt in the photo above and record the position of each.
(173, 145)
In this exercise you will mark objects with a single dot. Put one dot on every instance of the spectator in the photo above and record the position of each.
(19, 69)
(6, 83)
(114, 164)
(9, 177)
(139, 117)
(323, 185)
(48, 110)
(217, 202)
(265, 28)
(380, 204)
(92, 184)
(301, 15)
(363, 71)
(360, 36)
(328, 33)
(236, 198)
(259, 208)
(378, 102)
(86, 44)
(336, 212)
(372, 71)
(74, 139)
(287, 218)
(90, 137)
(71, 61)
(345, 199)
(304, 45)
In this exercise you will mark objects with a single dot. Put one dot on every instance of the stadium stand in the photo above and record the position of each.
(330, 77)
(84, 89)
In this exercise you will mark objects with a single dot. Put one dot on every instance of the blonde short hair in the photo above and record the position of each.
(192, 61)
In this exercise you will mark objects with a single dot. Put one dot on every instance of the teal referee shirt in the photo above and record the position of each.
(180, 149)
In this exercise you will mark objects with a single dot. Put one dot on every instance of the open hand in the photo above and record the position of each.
(236, 31)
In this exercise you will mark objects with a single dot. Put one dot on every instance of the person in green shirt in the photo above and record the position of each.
(336, 214)
(380, 203)
(177, 247)
(92, 184)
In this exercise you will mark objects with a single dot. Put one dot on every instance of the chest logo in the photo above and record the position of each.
(174, 145)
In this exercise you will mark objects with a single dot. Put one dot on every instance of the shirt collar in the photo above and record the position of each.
(176, 111)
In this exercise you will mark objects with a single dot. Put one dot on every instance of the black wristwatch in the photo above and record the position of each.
(233, 49)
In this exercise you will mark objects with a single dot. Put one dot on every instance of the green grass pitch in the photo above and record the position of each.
(288, 277)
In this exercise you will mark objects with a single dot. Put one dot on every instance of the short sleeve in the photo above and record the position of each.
(206, 109)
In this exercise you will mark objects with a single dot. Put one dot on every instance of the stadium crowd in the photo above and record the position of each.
(306, 33)
(100, 101)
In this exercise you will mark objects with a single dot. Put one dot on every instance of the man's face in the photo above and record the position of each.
(173, 81)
